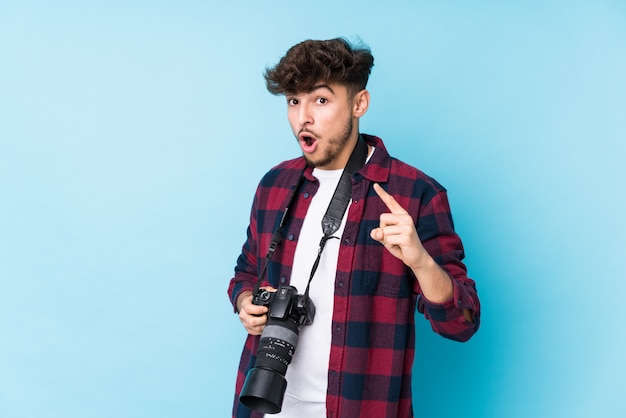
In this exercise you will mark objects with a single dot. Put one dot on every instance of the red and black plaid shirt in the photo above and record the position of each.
(373, 334)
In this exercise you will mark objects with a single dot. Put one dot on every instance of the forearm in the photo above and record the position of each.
(245, 276)
(434, 282)
(437, 286)
(240, 285)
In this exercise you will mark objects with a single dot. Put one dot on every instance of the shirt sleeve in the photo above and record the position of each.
(246, 267)
(436, 230)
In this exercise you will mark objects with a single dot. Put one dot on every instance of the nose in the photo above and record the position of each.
(305, 116)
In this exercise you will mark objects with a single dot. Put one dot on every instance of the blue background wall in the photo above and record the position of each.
(132, 137)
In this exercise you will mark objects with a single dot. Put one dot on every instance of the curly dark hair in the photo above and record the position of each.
(312, 62)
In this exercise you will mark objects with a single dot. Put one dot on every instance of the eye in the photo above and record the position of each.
(292, 101)
(322, 100)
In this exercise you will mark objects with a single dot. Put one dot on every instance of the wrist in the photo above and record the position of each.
(241, 297)
(423, 263)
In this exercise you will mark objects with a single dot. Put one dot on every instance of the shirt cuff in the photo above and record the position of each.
(452, 308)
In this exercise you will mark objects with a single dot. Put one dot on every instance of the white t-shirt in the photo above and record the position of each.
(307, 375)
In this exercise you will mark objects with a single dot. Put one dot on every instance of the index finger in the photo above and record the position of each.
(389, 201)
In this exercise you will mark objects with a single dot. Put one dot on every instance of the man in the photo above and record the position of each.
(396, 249)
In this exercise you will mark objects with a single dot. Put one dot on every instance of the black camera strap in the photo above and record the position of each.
(339, 203)
(277, 235)
(332, 218)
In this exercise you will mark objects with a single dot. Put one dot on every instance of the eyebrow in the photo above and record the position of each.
(313, 89)
(322, 86)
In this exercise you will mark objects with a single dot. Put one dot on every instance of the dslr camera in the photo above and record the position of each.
(265, 384)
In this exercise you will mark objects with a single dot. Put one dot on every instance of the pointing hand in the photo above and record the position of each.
(397, 232)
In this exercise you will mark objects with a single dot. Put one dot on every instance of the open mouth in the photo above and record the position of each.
(308, 142)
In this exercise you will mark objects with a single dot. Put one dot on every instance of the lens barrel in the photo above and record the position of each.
(265, 384)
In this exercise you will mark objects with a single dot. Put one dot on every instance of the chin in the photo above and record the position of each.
(317, 164)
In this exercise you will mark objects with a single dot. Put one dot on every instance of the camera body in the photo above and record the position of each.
(265, 384)
(286, 303)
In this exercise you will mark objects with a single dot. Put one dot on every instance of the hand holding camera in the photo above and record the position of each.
(252, 316)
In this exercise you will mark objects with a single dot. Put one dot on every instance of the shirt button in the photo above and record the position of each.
(283, 280)
(306, 195)
(340, 284)
(290, 237)
(338, 328)
(346, 241)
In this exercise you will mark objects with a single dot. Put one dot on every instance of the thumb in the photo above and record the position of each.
(377, 234)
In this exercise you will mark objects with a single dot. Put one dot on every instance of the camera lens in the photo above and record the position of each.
(277, 344)
(265, 384)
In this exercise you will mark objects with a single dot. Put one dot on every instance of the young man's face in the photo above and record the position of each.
(323, 121)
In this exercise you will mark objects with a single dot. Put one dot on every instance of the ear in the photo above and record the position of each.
(361, 103)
